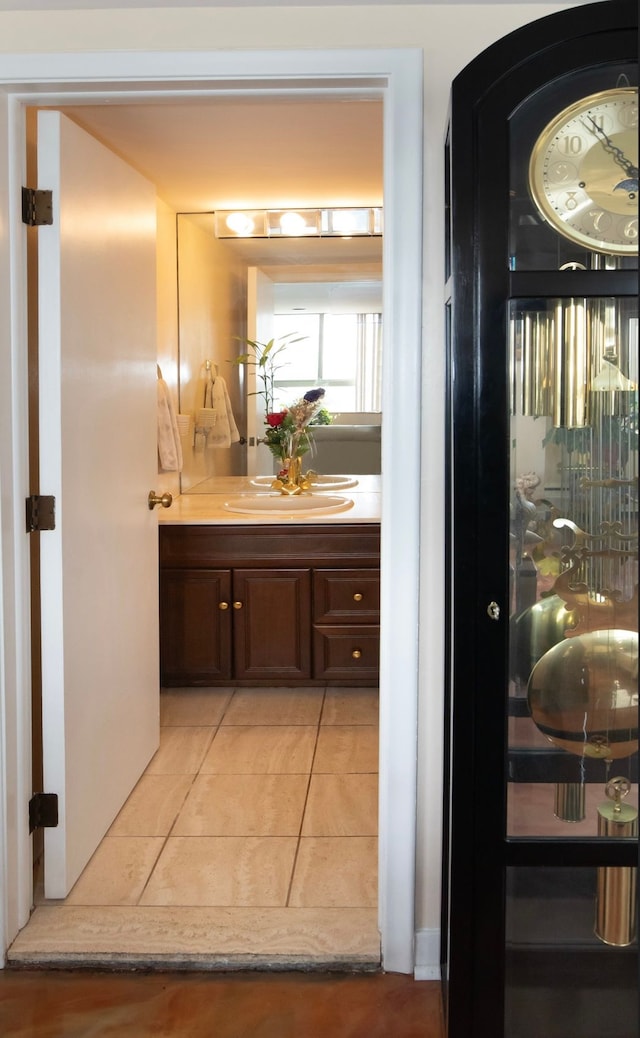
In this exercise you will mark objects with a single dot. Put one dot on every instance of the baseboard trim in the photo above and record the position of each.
(427, 955)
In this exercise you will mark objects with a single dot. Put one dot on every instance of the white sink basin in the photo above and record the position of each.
(317, 482)
(283, 505)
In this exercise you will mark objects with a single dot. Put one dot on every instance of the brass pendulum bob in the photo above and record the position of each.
(616, 895)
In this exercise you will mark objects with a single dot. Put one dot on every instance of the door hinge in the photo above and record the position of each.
(37, 207)
(43, 811)
(40, 513)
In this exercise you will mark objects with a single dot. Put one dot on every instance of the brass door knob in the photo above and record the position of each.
(166, 500)
(223, 605)
(356, 654)
(357, 597)
(237, 605)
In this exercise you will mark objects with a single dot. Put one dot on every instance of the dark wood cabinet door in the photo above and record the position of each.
(272, 624)
(195, 626)
(346, 653)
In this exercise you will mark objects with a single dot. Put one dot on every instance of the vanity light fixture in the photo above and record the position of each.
(343, 222)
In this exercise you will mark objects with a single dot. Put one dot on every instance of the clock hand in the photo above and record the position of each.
(616, 153)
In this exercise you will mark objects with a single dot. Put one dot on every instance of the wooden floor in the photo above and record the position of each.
(64, 1004)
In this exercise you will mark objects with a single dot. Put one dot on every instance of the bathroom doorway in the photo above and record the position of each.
(404, 292)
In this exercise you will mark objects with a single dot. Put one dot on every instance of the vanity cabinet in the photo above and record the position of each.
(264, 605)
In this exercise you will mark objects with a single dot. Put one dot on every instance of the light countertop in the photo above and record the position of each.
(210, 509)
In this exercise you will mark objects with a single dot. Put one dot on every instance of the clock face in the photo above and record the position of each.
(583, 173)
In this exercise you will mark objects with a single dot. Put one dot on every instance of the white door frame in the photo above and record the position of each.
(396, 75)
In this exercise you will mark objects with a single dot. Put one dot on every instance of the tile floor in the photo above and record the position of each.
(251, 836)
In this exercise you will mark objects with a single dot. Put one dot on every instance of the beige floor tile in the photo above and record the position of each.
(350, 706)
(153, 806)
(193, 706)
(230, 871)
(261, 750)
(342, 805)
(181, 751)
(117, 872)
(274, 706)
(347, 748)
(243, 805)
(334, 871)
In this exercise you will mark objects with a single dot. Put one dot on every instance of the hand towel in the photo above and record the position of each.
(225, 431)
(169, 446)
(206, 416)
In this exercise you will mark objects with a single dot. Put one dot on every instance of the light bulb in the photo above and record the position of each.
(293, 224)
(240, 223)
(344, 222)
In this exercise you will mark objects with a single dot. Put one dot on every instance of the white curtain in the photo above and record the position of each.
(369, 365)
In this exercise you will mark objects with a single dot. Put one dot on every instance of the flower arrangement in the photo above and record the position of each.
(288, 433)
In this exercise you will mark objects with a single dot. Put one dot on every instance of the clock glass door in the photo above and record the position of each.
(572, 730)
(573, 663)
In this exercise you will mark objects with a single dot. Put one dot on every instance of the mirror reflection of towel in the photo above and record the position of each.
(169, 446)
(225, 431)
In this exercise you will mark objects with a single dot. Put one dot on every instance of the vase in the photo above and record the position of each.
(294, 470)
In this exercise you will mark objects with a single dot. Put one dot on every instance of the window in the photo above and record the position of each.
(340, 352)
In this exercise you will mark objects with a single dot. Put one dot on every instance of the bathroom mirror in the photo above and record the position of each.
(227, 288)
(281, 148)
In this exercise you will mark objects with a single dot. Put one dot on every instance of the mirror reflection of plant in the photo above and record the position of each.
(572, 439)
(608, 446)
(266, 358)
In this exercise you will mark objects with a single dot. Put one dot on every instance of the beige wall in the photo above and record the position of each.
(449, 36)
(167, 318)
(213, 315)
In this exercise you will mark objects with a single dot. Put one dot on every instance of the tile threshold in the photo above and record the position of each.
(115, 937)
(121, 962)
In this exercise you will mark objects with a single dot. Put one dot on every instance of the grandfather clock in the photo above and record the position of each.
(540, 879)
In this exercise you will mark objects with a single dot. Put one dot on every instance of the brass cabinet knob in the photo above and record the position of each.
(237, 605)
(357, 597)
(356, 654)
(223, 605)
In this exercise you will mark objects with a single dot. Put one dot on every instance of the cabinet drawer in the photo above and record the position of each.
(346, 596)
(346, 653)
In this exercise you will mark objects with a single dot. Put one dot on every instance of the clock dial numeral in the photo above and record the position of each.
(601, 221)
(628, 116)
(572, 144)
(603, 120)
(570, 201)
(561, 172)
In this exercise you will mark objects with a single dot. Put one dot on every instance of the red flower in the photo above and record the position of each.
(275, 419)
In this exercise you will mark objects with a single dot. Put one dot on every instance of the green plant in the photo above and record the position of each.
(266, 358)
